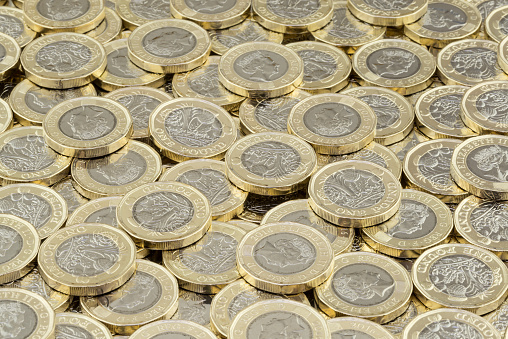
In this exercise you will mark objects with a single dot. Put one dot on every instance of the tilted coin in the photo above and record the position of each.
(422, 221)
(108, 29)
(74, 325)
(354, 193)
(450, 323)
(136, 13)
(460, 276)
(394, 113)
(141, 102)
(173, 328)
(397, 325)
(248, 31)
(190, 128)
(9, 55)
(87, 127)
(151, 46)
(30, 103)
(426, 168)
(412, 139)
(164, 215)
(487, 6)
(270, 163)
(388, 13)
(244, 225)
(502, 56)
(211, 14)
(260, 69)
(25, 157)
(63, 60)
(87, 259)
(366, 285)
(237, 296)
(438, 113)
(436, 82)
(479, 166)
(496, 24)
(264, 319)
(65, 188)
(25, 314)
(194, 307)
(149, 295)
(6, 118)
(256, 206)
(285, 257)
(469, 62)
(403, 66)
(345, 327)
(13, 24)
(499, 318)
(209, 177)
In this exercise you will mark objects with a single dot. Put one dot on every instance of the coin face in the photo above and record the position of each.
(397, 325)
(498, 318)
(13, 25)
(87, 259)
(9, 55)
(108, 29)
(488, 6)
(388, 13)
(496, 24)
(401, 65)
(260, 69)
(150, 294)
(194, 307)
(173, 328)
(356, 327)
(71, 324)
(66, 189)
(256, 206)
(412, 139)
(215, 14)
(135, 13)
(169, 46)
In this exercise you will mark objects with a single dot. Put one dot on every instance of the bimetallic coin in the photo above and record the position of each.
(469, 62)
(213, 14)
(256, 206)
(496, 24)
(108, 29)
(498, 318)
(135, 13)
(422, 221)
(260, 69)
(87, 127)
(386, 12)
(285, 257)
(438, 113)
(487, 6)
(349, 327)
(9, 55)
(402, 147)
(354, 193)
(25, 314)
(209, 177)
(6, 118)
(502, 56)
(190, 128)
(366, 285)
(270, 163)
(164, 215)
(194, 307)
(87, 259)
(173, 329)
(403, 66)
(426, 168)
(65, 188)
(397, 325)
(149, 295)
(13, 24)
(169, 46)
(63, 60)
(74, 325)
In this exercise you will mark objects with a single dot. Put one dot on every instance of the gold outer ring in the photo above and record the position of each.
(132, 20)
(10, 61)
(16, 15)
(6, 117)
(83, 322)
(216, 20)
(173, 327)
(364, 11)
(358, 325)
(502, 56)
(108, 29)
(493, 24)
(82, 213)
(64, 281)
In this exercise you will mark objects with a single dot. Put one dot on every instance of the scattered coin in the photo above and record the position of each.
(388, 13)
(71, 324)
(65, 188)
(173, 328)
(211, 15)
(397, 325)
(136, 13)
(349, 326)
(412, 139)
(194, 307)
(13, 24)
(496, 24)
(108, 29)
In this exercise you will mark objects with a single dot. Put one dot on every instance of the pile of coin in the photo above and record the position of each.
(254, 169)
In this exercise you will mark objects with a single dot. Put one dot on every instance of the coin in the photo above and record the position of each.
(173, 328)
(183, 220)
(469, 62)
(209, 177)
(283, 258)
(438, 113)
(25, 315)
(149, 295)
(136, 13)
(270, 163)
(487, 6)
(203, 83)
(10, 55)
(63, 60)
(211, 14)
(87, 127)
(357, 327)
(422, 221)
(256, 206)
(388, 13)
(260, 69)
(6, 119)
(108, 29)
(502, 57)
(244, 225)
(151, 46)
(496, 24)
(66, 189)
(397, 325)
(427, 168)
(194, 307)
(354, 193)
(190, 128)
(70, 325)
(87, 259)
(13, 25)
(412, 139)
(498, 318)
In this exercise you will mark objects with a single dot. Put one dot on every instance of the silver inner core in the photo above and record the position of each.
(343, 28)
(261, 66)
(63, 10)
(317, 65)
(271, 159)
(446, 110)
(71, 332)
(434, 165)
(213, 184)
(30, 207)
(386, 110)
(140, 106)
(442, 17)
(393, 63)
(169, 42)
(11, 244)
(150, 9)
(11, 26)
(117, 169)
(87, 122)
(27, 154)
(388, 5)
(120, 66)
(41, 100)
(273, 113)
(207, 84)
(332, 120)
(291, 9)
(193, 126)
(489, 163)
(105, 215)
(449, 329)
(17, 320)
(194, 307)
(414, 220)
(63, 56)
(490, 219)
(493, 105)
(269, 325)
(477, 63)
(247, 298)
(210, 6)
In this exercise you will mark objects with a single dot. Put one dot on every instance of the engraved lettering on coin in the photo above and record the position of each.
(332, 120)
(139, 106)
(393, 63)
(193, 126)
(245, 32)
(493, 105)
(503, 25)
(317, 65)
(363, 284)
(449, 329)
(151, 9)
(271, 159)
(489, 162)
(500, 320)
(215, 253)
(343, 28)
(461, 276)
(17, 320)
(443, 17)
(279, 324)
(63, 10)
(169, 42)
(352, 188)
(490, 219)
(311, 219)
(11, 244)
(33, 282)
(247, 298)
(261, 66)
(414, 220)
(476, 63)
(434, 165)
(87, 122)
(27, 154)
(284, 253)
(105, 215)
(71, 332)
(41, 100)
(163, 211)
(386, 110)
(117, 169)
(63, 56)
(293, 9)
(350, 334)
(87, 255)
(446, 110)
(194, 307)
(207, 84)
(139, 294)
(120, 66)
(11, 26)
(210, 6)
(273, 113)
(30, 207)
(486, 7)
(364, 154)
(389, 5)
(213, 184)
(173, 335)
